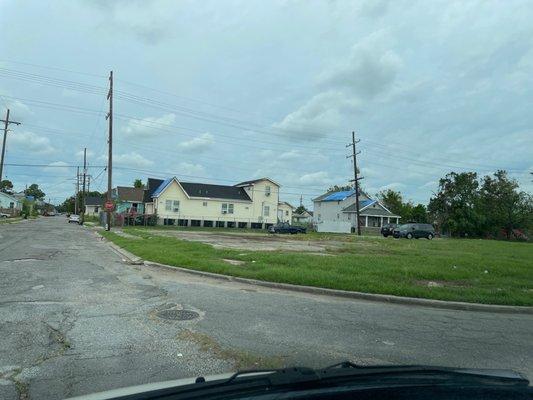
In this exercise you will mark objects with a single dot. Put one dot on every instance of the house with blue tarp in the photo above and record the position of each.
(336, 212)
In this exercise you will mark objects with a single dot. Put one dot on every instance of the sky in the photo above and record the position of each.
(226, 91)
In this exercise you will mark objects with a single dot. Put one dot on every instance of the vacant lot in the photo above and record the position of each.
(463, 270)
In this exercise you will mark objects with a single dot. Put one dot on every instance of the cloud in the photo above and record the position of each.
(185, 168)
(55, 168)
(30, 142)
(316, 178)
(199, 143)
(148, 127)
(318, 117)
(90, 153)
(132, 159)
(370, 70)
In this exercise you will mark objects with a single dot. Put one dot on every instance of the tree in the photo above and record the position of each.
(392, 200)
(337, 188)
(33, 190)
(6, 186)
(419, 213)
(300, 210)
(503, 206)
(455, 207)
(137, 183)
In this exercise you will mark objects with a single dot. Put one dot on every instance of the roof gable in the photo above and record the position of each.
(10, 197)
(251, 182)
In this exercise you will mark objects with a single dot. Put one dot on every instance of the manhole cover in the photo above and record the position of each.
(178, 315)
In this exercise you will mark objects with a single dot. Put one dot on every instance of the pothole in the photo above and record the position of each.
(177, 315)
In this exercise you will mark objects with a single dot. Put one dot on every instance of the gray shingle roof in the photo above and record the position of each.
(215, 191)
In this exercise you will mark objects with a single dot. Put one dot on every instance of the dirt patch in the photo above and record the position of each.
(233, 262)
(126, 235)
(438, 283)
(242, 359)
(252, 241)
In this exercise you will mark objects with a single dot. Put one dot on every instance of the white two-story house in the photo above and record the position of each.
(250, 204)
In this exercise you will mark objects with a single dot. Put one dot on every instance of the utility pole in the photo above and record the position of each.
(83, 185)
(88, 183)
(110, 142)
(77, 190)
(355, 179)
(6, 124)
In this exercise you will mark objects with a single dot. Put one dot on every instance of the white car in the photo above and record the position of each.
(2, 215)
(74, 218)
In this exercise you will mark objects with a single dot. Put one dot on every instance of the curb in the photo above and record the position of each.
(383, 298)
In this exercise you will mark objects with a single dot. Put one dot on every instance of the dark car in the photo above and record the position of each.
(388, 229)
(285, 227)
(416, 231)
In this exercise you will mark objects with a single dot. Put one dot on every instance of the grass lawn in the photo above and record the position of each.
(10, 220)
(481, 271)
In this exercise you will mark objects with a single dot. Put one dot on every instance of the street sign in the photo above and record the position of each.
(108, 205)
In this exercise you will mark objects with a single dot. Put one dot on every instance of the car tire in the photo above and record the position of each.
(385, 235)
(430, 236)
(409, 235)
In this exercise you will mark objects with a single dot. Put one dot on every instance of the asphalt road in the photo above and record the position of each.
(75, 319)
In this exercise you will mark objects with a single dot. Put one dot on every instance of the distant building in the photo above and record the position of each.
(285, 211)
(9, 204)
(93, 205)
(302, 218)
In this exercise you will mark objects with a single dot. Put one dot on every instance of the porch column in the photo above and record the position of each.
(366, 221)
(381, 221)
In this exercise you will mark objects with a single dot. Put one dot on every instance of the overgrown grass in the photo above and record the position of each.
(10, 220)
(478, 271)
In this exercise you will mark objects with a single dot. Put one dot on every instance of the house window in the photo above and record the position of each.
(134, 207)
(286, 212)
(267, 190)
(205, 204)
(266, 211)
(176, 206)
(96, 209)
(168, 205)
(227, 208)
(12, 205)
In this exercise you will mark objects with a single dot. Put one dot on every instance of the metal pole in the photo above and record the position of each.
(110, 154)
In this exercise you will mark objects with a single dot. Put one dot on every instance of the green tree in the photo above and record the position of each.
(392, 200)
(339, 188)
(455, 207)
(300, 210)
(503, 206)
(33, 190)
(419, 213)
(137, 183)
(6, 186)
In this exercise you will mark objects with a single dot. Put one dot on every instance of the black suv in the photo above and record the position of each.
(416, 231)
(388, 229)
(285, 227)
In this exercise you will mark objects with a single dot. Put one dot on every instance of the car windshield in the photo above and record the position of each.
(195, 188)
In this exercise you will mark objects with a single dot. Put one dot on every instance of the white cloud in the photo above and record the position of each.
(315, 178)
(30, 142)
(199, 143)
(58, 168)
(132, 159)
(185, 168)
(318, 117)
(370, 70)
(90, 153)
(149, 127)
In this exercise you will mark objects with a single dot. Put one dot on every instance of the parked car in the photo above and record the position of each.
(416, 231)
(285, 227)
(388, 229)
(74, 218)
(2, 215)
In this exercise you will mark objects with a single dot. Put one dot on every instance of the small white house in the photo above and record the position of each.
(10, 204)
(302, 218)
(336, 212)
(285, 211)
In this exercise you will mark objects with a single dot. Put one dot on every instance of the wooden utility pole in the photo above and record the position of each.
(109, 117)
(355, 179)
(6, 124)
(82, 220)
(77, 190)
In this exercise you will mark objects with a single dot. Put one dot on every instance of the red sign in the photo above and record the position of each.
(108, 205)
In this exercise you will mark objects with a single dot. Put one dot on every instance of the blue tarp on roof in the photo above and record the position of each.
(339, 196)
(161, 187)
(365, 203)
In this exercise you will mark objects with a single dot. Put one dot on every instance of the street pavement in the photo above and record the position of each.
(76, 319)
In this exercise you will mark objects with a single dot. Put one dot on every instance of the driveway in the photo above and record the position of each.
(75, 319)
